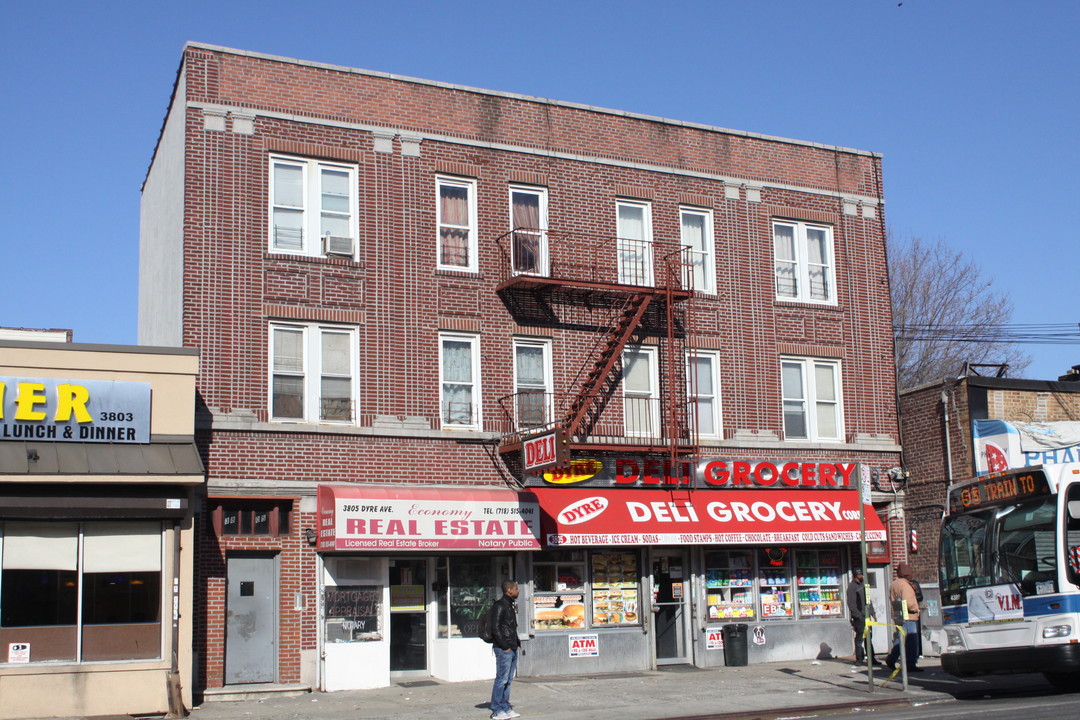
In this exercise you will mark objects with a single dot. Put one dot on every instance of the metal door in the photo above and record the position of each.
(877, 589)
(251, 625)
(670, 598)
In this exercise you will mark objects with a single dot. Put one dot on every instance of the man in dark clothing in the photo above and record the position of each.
(505, 645)
(856, 600)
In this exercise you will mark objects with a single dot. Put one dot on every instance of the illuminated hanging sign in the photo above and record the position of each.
(59, 410)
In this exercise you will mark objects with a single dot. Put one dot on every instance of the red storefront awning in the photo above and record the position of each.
(681, 517)
(379, 517)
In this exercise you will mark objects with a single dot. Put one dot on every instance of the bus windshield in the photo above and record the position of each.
(1006, 544)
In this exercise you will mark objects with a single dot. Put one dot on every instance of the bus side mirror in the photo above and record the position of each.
(1074, 509)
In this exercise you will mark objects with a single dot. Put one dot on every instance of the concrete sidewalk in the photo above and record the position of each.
(674, 692)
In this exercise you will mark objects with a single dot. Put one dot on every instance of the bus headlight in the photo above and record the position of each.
(1057, 631)
(953, 637)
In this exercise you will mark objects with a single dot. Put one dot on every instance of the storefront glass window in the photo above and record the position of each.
(729, 584)
(774, 583)
(473, 583)
(818, 575)
(559, 590)
(118, 576)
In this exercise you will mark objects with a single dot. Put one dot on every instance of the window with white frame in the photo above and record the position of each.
(696, 228)
(313, 207)
(313, 373)
(812, 407)
(702, 373)
(532, 383)
(634, 243)
(804, 261)
(459, 381)
(456, 219)
(528, 221)
(641, 391)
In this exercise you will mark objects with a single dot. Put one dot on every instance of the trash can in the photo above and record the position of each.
(735, 651)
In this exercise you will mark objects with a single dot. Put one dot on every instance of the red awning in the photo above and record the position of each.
(681, 517)
(382, 517)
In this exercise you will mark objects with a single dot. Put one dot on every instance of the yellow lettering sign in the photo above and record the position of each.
(30, 394)
(72, 398)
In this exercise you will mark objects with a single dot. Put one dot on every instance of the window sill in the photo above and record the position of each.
(338, 260)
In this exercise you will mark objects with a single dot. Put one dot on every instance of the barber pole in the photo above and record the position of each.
(914, 540)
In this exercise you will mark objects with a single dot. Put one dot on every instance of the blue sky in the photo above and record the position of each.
(974, 105)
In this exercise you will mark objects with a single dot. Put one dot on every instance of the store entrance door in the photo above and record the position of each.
(670, 600)
(408, 618)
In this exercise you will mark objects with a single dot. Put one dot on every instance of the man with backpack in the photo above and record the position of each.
(505, 644)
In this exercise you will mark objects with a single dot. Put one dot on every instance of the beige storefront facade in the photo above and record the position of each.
(98, 478)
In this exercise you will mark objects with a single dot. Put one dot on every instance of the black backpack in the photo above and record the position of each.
(485, 629)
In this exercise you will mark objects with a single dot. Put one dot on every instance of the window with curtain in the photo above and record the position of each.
(811, 399)
(696, 227)
(528, 221)
(641, 392)
(313, 207)
(457, 224)
(704, 392)
(113, 568)
(634, 244)
(314, 373)
(459, 371)
(532, 383)
(803, 262)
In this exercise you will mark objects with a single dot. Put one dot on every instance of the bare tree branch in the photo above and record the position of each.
(933, 288)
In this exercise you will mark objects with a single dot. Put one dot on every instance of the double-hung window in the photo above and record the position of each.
(812, 407)
(641, 391)
(634, 243)
(313, 207)
(696, 233)
(804, 262)
(532, 383)
(528, 221)
(702, 372)
(313, 372)
(459, 381)
(456, 219)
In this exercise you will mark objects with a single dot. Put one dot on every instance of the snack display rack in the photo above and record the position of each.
(818, 575)
(729, 584)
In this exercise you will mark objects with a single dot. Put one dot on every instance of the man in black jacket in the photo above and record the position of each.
(856, 600)
(505, 645)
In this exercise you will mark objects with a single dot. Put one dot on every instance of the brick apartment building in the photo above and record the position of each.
(971, 425)
(451, 336)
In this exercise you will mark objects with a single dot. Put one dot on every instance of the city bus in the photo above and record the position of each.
(1010, 575)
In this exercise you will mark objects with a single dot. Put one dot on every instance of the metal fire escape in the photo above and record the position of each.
(603, 288)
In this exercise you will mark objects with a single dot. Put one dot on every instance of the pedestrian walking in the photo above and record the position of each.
(505, 645)
(857, 608)
(906, 611)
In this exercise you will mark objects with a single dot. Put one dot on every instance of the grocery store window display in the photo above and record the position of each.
(574, 589)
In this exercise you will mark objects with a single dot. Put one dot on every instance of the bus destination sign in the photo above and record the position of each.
(999, 489)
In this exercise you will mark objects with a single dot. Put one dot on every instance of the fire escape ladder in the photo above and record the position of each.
(586, 403)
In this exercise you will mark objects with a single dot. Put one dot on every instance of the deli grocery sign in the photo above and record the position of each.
(360, 517)
(644, 471)
(582, 517)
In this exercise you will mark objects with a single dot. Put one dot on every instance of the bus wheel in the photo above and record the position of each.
(1064, 681)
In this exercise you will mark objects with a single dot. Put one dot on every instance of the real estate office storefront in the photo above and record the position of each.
(620, 571)
(97, 472)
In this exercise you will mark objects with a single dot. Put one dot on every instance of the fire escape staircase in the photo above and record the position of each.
(575, 419)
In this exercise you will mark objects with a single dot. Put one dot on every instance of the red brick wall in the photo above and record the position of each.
(399, 301)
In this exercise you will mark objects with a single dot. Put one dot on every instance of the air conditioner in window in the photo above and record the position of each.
(337, 245)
